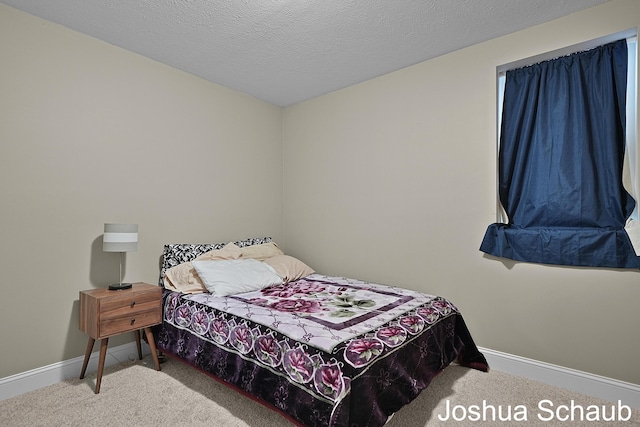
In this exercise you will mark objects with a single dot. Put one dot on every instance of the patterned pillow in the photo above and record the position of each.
(184, 278)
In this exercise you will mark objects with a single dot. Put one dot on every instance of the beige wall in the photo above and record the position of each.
(393, 180)
(89, 134)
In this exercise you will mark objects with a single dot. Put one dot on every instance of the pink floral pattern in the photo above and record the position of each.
(297, 306)
(298, 365)
(299, 287)
(392, 335)
(268, 350)
(363, 351)
(182, 315)
(429, 314)
(412, 324)
(219, 330)
(241, 338)
(330, 382)
(200, 322)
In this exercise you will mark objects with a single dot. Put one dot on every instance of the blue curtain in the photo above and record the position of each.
(560, 163)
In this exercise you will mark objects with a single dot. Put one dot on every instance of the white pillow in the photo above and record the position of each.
(235, 276)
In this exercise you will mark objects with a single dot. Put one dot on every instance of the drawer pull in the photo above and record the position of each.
(133, 303)
(133, 321)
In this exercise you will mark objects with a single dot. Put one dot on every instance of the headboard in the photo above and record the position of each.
(175, 254)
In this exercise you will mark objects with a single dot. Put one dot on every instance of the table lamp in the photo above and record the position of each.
(120, 238)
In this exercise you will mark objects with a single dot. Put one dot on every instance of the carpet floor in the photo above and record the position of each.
(135, 394)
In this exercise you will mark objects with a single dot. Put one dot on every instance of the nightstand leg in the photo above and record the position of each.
(137, 335)
(152, 346)
(103, 355)
(87, 355)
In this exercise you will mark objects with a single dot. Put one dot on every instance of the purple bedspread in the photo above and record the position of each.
(324, 351)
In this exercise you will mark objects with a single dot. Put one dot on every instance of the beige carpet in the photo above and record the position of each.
(134, 394)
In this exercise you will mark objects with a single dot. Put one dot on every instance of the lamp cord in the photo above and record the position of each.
(121, 259)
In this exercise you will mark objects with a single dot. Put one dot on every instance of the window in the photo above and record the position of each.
(567, 158)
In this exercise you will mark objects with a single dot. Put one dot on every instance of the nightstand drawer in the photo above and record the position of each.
(138, 320)
(138, 301)
(125, 308)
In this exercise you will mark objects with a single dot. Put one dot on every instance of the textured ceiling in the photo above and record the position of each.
(287, 51)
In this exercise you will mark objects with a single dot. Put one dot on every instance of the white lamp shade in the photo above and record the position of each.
(120, 238)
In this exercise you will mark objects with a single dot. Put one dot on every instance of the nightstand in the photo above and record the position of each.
(105, 313)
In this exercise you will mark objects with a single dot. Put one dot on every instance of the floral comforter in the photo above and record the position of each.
(324, 351)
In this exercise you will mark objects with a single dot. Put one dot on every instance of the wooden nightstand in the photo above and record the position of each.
(105, 313)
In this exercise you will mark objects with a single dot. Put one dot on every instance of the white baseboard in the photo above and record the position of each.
(57, 372)
(581, 382)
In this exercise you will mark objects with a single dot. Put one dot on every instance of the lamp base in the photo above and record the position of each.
(119, 286)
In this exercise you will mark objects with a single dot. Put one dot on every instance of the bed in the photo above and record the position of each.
(321, 350)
